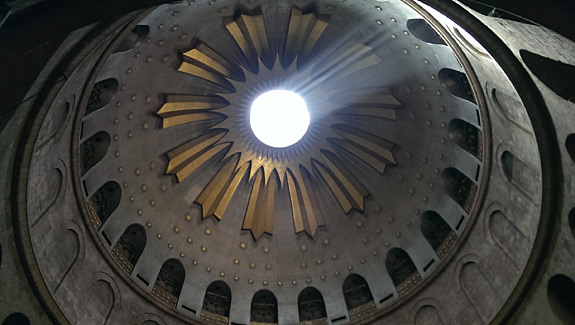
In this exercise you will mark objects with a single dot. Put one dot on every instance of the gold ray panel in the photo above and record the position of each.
(375, 151)
(303, 33)
(378, 103)
(203, 62)
(307, 215)
(186, 158)
(345, 187)
(249, 33)
(346, 60)
(182, 109)
(216, 197)
(259, 218)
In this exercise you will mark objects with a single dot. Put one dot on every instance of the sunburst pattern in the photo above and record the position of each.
(332, 134)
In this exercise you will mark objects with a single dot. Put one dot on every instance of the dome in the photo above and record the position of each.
(420, 188)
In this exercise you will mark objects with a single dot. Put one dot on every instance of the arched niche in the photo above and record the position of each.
(104, 202)
(129, 247)
(93, 150)
(480, 291)
(358, 298)
(508, 237)
(456, 83)
(561, 297)
(459, 187)
(16, 319)
(570, 146)
(169, 282)
(133, 39)
(556, 75)
(519, 173)
(264, 308)
(422, 30)
(437, 232)
(101, 94)
(467, 136)
(217, 302)
(402, 270)
(311, 307)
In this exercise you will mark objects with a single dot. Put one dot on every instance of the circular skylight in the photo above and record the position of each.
(279, 118)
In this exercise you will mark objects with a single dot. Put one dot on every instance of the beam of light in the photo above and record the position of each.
(279, 118)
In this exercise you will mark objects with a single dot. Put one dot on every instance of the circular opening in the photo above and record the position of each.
(279, 118)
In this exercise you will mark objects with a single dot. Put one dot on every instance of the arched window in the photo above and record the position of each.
(129, 247)
(101, 95)
(466, 136)
(437, 232)
(264, 308)
(402, 271)
(136, 36)
(93, 150)
(421, 29)
(104, 202)
(519, 173)
(311, 307)
(456, 83)
(561, 296)
(459, 187)
(570, 145)
(217, 302)
(16, 319)
(357, 297)
(169, 282)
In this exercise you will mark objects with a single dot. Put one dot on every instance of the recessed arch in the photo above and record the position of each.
(561, 297)
(456, 83)
(169, 282)
(570, 146)
(519, 173)
(437, 232)
(93, 150)
(459, 187)
(311, 307)
(104, 202)
(402, 270)
(16, 319)
(358, 297)
(422, 30)
(129, 247)
(571, 222)
(264, 308)
(217, 302)
(467, 136)
(134, 38)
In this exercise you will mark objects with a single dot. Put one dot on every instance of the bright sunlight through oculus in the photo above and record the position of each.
(279, 118)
